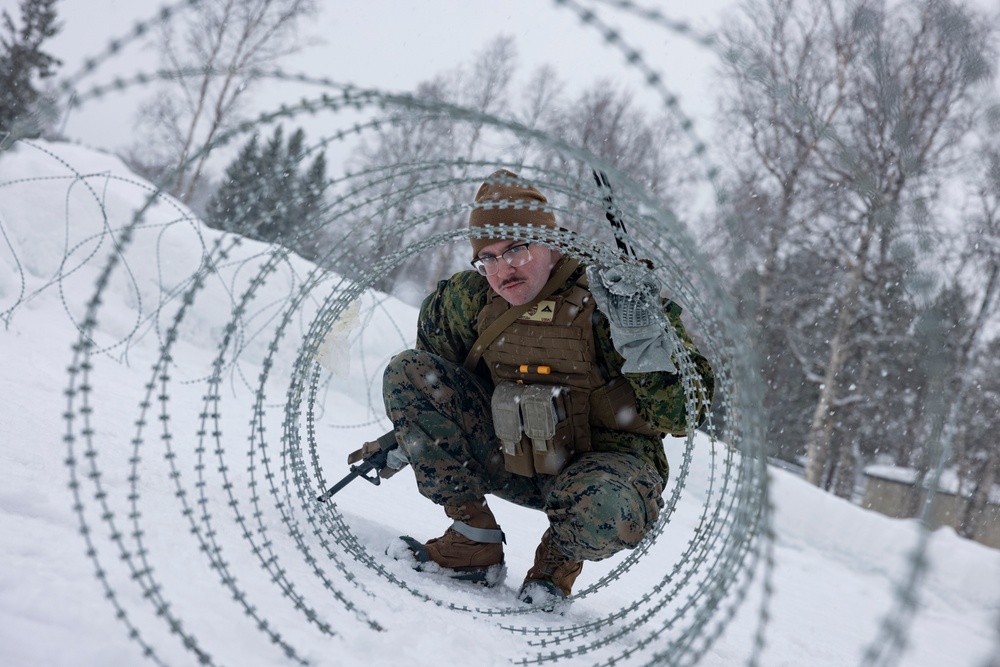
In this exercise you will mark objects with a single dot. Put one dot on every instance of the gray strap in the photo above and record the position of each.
(487, 535)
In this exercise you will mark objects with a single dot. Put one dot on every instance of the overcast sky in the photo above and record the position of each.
(395, 44)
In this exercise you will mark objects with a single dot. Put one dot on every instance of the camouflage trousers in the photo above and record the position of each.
(601, 502)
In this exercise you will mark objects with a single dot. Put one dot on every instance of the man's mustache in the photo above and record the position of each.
(509, 281)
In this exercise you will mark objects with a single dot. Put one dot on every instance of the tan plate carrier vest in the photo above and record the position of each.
(549, 390)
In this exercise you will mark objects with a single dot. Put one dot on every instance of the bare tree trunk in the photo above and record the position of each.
(987, 477)
(217, 119)
(847, 470)
(224, 42)
(209, 64)
(991, 469)
(818, 442)
(831, 456)
(775, 237)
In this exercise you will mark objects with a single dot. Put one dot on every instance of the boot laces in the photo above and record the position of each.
(553, 560)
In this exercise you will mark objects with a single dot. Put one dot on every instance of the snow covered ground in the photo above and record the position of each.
(162, 517)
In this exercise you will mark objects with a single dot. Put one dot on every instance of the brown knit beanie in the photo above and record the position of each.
(505, 199)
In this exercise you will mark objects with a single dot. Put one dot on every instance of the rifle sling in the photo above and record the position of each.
(514, 312)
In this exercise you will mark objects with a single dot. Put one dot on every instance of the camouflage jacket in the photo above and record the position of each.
(447, 327)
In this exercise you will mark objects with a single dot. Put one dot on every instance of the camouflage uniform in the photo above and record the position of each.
(604, 501)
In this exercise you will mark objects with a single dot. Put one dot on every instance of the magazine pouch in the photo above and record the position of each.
(538, 427)
(509, 429)
(543, 410)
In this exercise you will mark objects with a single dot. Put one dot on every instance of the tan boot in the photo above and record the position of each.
(470, 550)
(550, 580)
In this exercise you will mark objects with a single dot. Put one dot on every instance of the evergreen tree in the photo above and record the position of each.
(263, 196)
(272, 183)
(236, 201)
(21, 61)
(310, 202)
(312, 185)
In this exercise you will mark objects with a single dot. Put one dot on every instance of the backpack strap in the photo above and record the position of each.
(496, 328)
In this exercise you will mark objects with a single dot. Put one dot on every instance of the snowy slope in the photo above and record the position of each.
(171, 514)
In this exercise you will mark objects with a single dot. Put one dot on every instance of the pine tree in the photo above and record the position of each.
(238, 200)
(312, 187)
(21, 61)
(264, 197)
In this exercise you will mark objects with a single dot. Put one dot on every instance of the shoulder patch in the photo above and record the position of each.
(543, 311)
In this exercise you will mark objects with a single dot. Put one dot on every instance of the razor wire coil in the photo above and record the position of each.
(732, 544)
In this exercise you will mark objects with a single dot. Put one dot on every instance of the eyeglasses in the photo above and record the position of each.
(516, 255)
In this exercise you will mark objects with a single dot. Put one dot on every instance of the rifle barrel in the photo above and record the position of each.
(375, 462)
(356, 471)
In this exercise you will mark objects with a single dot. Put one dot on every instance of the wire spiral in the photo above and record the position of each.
(240, 488)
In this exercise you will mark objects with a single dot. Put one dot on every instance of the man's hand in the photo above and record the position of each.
(395, 460)
(630, 297)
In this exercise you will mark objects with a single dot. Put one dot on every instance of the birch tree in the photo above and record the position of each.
(784, 91)
(913, 102)
(979, 449)
(427, 165)
(853, 115)
(214, 50)
(418, 161)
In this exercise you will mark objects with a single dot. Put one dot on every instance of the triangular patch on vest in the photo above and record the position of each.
(543, 311)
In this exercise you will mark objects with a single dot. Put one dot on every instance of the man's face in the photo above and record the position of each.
(519, 285)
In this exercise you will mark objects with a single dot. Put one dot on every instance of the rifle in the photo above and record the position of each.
(374, 461)
(613, 213)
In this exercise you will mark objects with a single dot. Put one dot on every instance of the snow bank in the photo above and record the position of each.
(196, 520)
